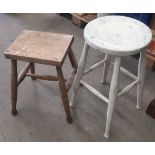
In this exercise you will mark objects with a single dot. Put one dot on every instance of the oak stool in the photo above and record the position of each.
(116, 36)
(42, 48)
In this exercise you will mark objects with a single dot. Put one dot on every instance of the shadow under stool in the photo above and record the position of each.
(42, 48)
(115, 36)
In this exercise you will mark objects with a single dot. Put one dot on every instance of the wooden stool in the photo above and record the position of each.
(43, 48)
(116, 36)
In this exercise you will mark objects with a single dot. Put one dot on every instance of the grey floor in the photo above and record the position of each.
(41, 115)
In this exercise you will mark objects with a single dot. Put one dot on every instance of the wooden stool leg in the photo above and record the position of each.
(14, 86)
(32, 69)
(141, 76)
(112, 95)
(106, 68)
(79, 73)
(63, 92)
(72, 59)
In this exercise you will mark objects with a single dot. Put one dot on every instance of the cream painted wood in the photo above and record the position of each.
(126, 72)
(112, 95)
(128, 88)
(106, 67)
(94, 66)
(141, 76)
(80, 71)
(115, 36)
(94, 91)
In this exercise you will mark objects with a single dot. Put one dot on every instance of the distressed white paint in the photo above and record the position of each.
(80, 71)
(94, 66)
(117, 35)
(128, 88)
(94, 91)
(141, 76)
(112, 95)
(126, 72)
(106, 67)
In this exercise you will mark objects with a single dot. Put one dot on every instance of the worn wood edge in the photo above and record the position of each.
(33, 60)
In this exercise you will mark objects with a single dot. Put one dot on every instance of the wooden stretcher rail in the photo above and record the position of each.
(43, 77)
(94, 91)
(128, 88)
(125, 71)
(94, 66)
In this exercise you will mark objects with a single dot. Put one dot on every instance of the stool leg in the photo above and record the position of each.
(14, 86)
(72, 59)
(106, 68)
(79, 73)
(112, 95)
(63, 92)
(141, 76)
(32, 69)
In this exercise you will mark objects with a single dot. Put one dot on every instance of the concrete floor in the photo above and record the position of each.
(41, 115)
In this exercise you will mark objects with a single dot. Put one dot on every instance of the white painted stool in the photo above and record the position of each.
(115, 36)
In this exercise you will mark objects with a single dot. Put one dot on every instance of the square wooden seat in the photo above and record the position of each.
(40, 47)
(43, 48)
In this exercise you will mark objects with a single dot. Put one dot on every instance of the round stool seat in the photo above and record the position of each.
(117, 35)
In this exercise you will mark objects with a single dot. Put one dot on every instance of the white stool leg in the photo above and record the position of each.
(106, 68)
(80, 71)
(141, 76)
(112, 95)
